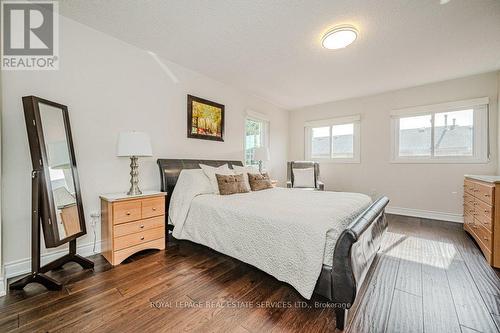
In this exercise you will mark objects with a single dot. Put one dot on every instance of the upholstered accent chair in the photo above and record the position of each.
(318, 184)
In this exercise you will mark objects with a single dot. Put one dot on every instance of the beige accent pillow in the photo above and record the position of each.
(231, 184)
(259, 181)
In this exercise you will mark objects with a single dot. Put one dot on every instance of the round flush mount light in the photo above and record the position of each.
(339, 37)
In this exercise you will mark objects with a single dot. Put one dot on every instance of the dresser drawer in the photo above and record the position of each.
(483, 235)
(483, 239)
(126, 211)
(138, 226)
(484, 213)
(484, 193)
(469, 199)
(469, 187)
(468, 220)
(468, 210)
(153, 207)
(138, 238)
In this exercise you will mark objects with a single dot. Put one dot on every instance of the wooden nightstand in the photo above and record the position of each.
(130, 224)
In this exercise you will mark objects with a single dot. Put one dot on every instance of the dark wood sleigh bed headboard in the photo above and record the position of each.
(171, 168)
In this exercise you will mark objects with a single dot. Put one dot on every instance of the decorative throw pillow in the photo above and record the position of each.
(231, 184)
(259, 181)
(303, 177)
(245, 171)
(210, 172)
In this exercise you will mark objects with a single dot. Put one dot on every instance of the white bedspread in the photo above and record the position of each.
(280, 231)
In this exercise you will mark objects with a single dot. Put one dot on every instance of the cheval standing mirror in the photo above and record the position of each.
(56, 196)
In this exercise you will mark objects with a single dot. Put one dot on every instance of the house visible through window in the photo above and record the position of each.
(333, 139)
(256, 135)
(447, 132)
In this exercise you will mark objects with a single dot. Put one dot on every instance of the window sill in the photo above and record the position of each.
(336, 161)
(440, 161)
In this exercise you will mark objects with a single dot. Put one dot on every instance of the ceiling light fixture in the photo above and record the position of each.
(339, 37)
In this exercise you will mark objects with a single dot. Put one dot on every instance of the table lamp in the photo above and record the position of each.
(261, 154)
(134, 145)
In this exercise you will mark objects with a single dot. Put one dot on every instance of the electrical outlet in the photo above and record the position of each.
(94, 218)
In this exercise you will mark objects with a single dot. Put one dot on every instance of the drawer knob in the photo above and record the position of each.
(142, 226)
(142, 238)
(486, 211)
(487, 195)
(127, 213)
(154, 209)
(485, 238)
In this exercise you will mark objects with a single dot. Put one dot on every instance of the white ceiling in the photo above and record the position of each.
(272, 47)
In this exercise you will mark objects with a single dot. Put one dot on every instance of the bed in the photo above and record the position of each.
(327, 250)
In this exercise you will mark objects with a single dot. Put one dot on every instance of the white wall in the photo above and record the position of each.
(2, 282)
(425, 187)
(110, 86)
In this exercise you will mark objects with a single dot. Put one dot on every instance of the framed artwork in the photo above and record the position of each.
(205, 119)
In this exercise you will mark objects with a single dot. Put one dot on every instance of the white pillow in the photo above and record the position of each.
(245, 170)
(193, 180)
(303, 177)
(210, 172)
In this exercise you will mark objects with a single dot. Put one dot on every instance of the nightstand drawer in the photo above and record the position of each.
(138, 226)
(126, 211)
(153, 207)
(121, 255)
(138, 238)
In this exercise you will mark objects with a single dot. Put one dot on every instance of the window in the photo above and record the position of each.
(443, 133)
(256, 135)
(335, 140)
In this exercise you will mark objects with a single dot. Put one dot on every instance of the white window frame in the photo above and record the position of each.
(355, 120)
(480, 148)
(262, 118)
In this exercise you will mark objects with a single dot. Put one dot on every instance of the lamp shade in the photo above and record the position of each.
(262, 154)
(134, 144)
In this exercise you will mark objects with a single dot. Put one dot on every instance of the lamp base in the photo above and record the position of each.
(134, 177)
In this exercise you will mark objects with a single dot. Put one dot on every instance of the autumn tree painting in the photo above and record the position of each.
(205, 119)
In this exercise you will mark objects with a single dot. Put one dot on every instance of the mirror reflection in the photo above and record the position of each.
(61, 176)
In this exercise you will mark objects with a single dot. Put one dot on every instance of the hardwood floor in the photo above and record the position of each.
(429, 277)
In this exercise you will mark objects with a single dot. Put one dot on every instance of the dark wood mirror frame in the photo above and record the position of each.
(40, 163)
(43, 207)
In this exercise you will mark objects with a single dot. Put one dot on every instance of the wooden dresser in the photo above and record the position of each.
(130, 224)
(482, 214)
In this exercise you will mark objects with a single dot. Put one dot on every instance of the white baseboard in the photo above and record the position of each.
(23, 266)
(426, 214)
